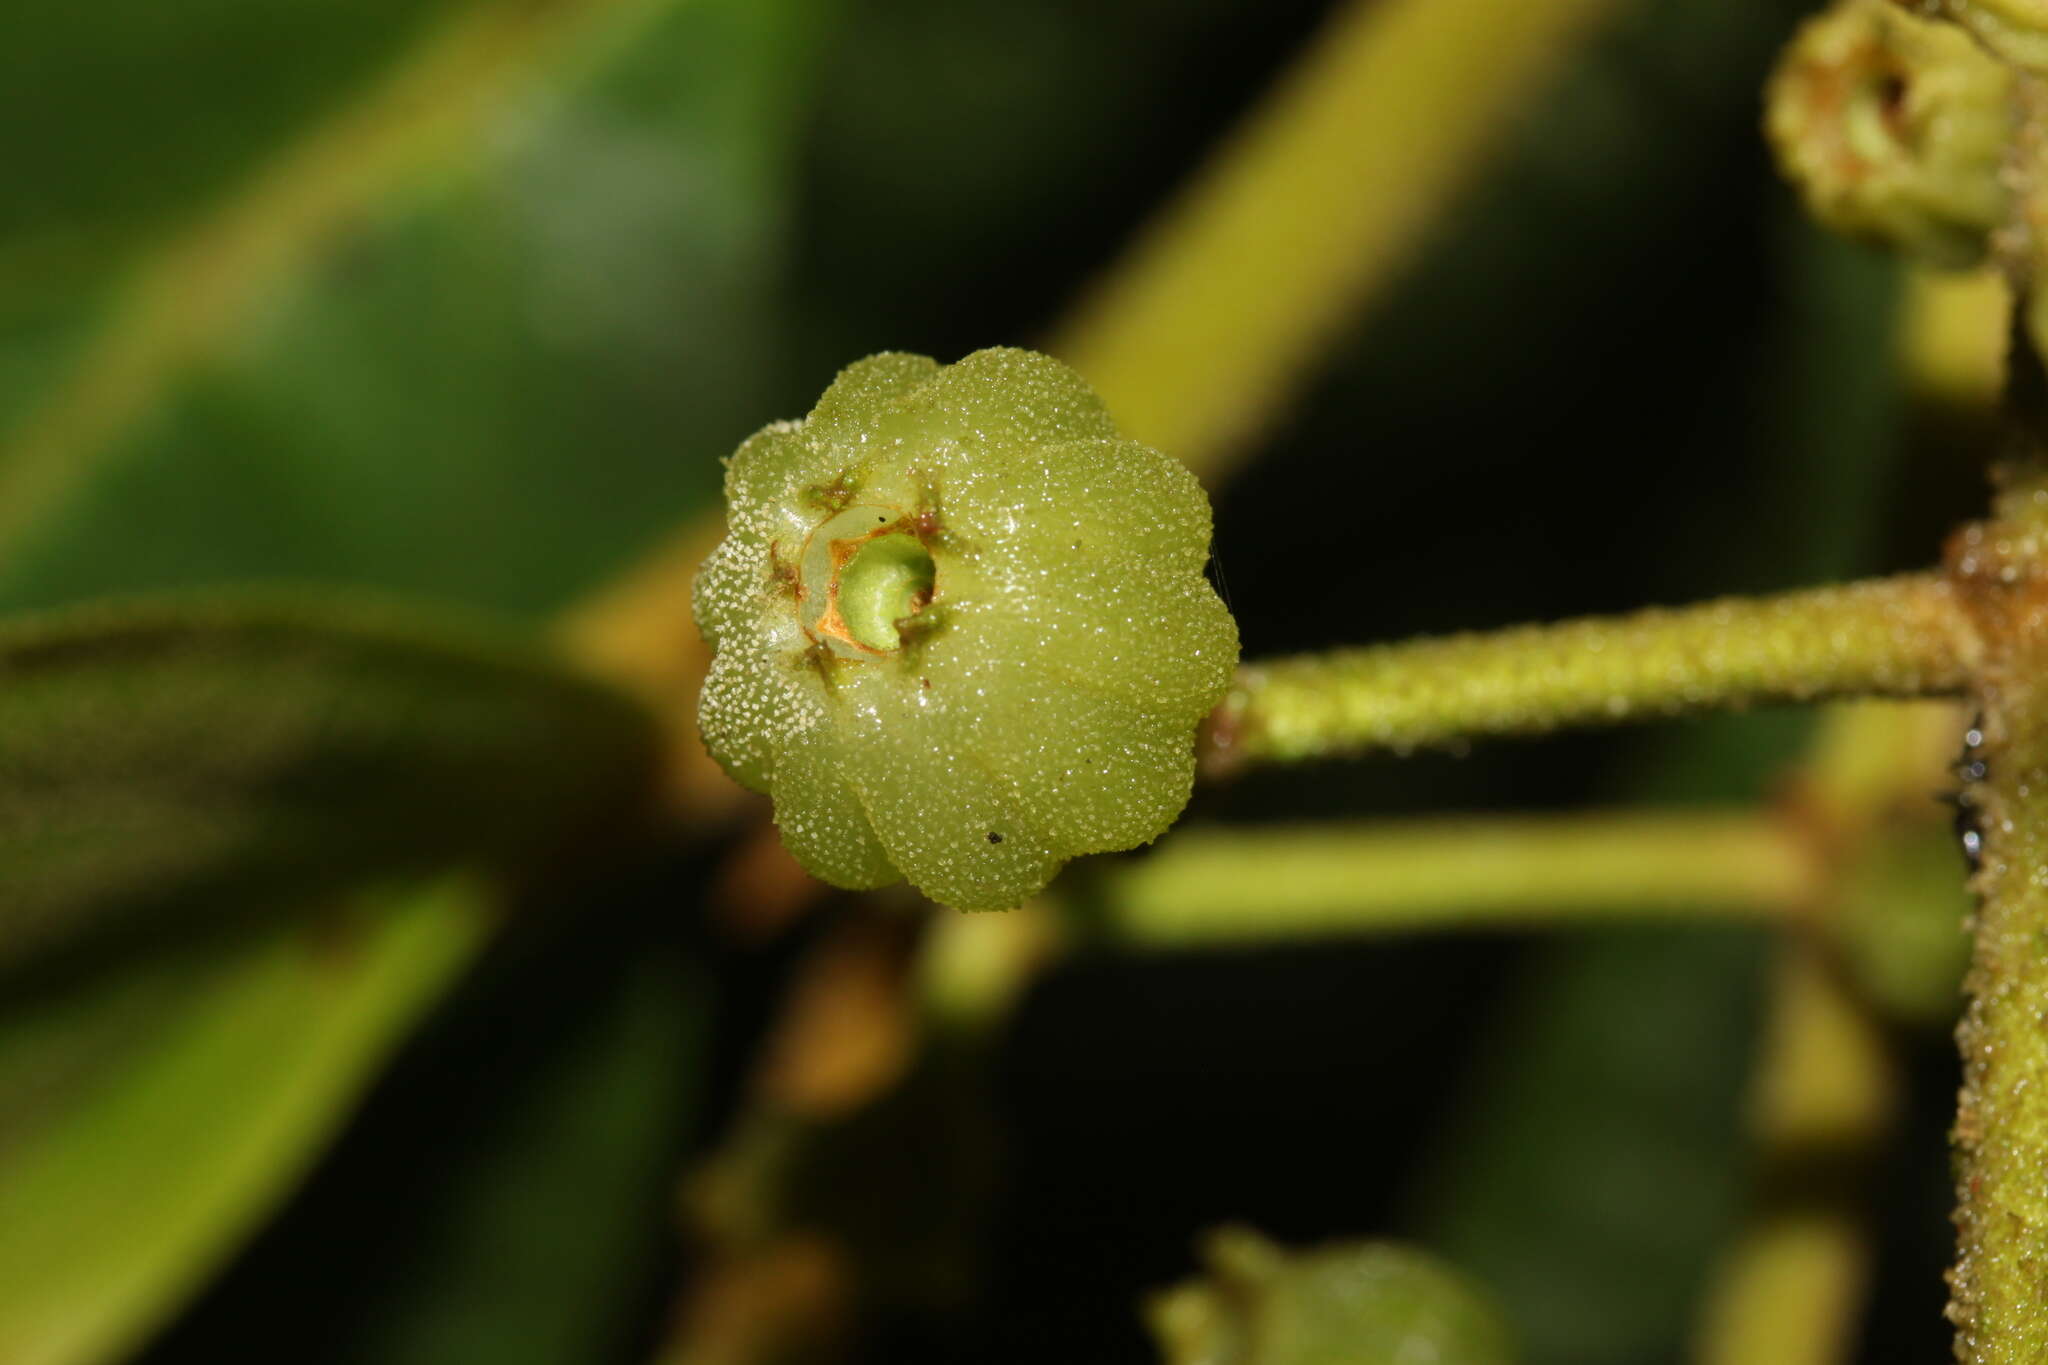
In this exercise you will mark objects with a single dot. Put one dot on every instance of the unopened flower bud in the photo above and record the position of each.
(960, 626)
(1894, 127)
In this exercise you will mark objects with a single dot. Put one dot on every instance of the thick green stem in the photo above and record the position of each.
(1895, 637)
(1530, 871)
(1999, 1287)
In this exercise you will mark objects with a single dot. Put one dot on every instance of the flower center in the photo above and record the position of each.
(861, 575)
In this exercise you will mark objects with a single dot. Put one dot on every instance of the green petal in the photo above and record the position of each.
(723, 599)
(822, 821)
(866, 393)
(753, 706)
(950, 822)
(1087, 499)
(1093, 771)
(1163, 641)
(1007, 395)
(766, 485)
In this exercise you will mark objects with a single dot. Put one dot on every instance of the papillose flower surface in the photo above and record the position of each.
(2016, 30)
(1894, 128)
(960, 628)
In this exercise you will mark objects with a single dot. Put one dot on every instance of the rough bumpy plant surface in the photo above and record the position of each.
(1893, 128)
(2016, 30)
(960, 627)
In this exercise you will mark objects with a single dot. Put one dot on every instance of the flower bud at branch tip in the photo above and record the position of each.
(1894, 129)
(960, 627)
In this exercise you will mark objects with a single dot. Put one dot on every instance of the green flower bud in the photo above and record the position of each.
(1334, 1305)
(959, 626)
(1893, 128)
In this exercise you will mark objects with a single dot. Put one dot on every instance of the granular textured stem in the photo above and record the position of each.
(1999, 1286)
(1896, 637)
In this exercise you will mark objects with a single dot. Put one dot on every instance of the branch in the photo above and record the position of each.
(1212, 886)
(1896, 637)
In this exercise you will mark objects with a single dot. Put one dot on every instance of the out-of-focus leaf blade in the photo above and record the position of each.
(126, 1177)
(501, 385)
(1599, 1164)
(159, 756)
(492, 385)
(545, 1210)
(386, 105)
(508, 1192)
(143, 110)
(132, 118)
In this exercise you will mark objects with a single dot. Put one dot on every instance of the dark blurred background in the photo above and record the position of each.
(1623, 371)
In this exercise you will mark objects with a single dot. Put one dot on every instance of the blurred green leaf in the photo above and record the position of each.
(143, 117)
(1342, 1304)
(549, 1210)
(97, 179)
(279, 350)
(133, 1158)
(162, 756)
(507, 1194)
(497, 386)
(388, 103)
(1599, 1163)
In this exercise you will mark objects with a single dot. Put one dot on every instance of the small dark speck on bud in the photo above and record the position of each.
(994, 837)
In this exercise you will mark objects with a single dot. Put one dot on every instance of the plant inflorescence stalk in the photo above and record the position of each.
(1536, 871)
(1895, 637)
(1999, 1286)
